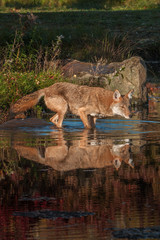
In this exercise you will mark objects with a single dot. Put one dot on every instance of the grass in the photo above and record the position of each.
(80, 4)
(137, 4)
(81, 29)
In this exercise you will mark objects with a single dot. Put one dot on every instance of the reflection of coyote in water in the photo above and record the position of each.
(80, 153)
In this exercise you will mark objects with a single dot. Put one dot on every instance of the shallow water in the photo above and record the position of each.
(80, 184)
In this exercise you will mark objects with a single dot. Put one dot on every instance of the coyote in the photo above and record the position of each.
(89, 103)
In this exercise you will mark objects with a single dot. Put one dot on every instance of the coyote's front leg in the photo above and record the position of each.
(92, 120)
(84, 118)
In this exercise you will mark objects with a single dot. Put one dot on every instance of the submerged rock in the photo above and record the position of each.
(19, 123)
(26, 199)
(138, 233)
(49, 214)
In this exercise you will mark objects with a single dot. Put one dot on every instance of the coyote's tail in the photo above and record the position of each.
(26, 102)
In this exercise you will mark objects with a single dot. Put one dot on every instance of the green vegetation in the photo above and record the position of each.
(82, 4)
(137, 5)
(26, 65)
(14, 85)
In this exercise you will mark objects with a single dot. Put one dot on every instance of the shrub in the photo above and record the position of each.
(26, 52)
(14, 85)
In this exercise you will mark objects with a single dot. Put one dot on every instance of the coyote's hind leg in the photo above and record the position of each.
(59, 105)
(54, 119)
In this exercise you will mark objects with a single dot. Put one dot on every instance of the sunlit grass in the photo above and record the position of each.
(137, 5)
(75, 5)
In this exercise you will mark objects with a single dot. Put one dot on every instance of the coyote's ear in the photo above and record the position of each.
(130, 94)
(116, 95)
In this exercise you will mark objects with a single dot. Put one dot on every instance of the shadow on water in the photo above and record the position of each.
(81, 184)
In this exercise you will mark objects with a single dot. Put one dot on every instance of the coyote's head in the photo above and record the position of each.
(121, 152)
(121, 105)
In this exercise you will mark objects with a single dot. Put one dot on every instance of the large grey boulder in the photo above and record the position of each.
(124, 76)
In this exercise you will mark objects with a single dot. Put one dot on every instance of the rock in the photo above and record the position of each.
(49, 214)
(124, 76)
(21, 123)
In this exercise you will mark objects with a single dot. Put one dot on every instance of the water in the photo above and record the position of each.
(81, 184)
